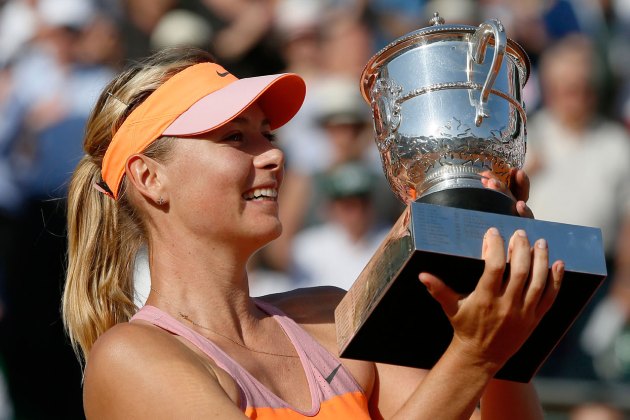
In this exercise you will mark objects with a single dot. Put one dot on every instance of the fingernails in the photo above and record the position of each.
(521, 233)
(423, 279)
(541, 243)
(492, 231)
(495, 183)
(560, 268)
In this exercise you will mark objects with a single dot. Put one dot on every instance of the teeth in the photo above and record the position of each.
(261, 193)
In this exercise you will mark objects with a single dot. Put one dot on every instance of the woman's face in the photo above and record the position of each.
(223, 185)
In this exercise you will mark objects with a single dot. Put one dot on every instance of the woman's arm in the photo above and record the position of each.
(518, 399)
(397, 384)
(489, 326)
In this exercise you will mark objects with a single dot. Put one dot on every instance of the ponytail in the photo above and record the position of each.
(104, 234)
(101, 250)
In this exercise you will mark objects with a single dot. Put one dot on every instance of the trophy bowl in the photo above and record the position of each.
(446, 116)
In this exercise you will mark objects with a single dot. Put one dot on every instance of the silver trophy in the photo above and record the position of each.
(446, 116)
(448, 111)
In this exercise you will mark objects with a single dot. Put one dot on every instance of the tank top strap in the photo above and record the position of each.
(330, 384)
(332, 377)
(252, 391)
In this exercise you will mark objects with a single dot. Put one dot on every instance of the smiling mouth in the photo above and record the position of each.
(261, 194)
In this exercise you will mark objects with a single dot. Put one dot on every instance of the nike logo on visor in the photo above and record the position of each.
(222, 74)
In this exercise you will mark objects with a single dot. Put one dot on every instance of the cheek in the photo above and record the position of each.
(216, 182)
(206, 183)
(203, 206)
(211, 182)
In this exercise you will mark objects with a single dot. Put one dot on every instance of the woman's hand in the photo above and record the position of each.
(518, 189)
(494, 321)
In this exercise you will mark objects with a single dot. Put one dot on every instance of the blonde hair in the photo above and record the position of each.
(104, 235)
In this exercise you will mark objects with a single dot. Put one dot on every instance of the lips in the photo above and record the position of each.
(261, 194)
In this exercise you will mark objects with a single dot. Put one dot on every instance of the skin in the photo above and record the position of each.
(200, 241)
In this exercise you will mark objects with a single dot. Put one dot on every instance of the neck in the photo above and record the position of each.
(207, 282)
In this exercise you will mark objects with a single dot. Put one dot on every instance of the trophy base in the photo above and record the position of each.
(480, 199)
(388, 316)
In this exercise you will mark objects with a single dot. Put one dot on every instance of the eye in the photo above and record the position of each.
(236, 136)
(272, 137)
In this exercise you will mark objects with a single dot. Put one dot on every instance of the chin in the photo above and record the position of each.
(275, 234)
(263, 237)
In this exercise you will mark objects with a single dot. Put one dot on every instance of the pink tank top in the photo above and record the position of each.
(334, 392)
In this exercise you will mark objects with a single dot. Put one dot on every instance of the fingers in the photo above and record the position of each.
(489, 181)
(519, 184)
(530, 281)
(531, 287)
(446, 297)
(520, 262)
(539, 274)
(520, 189)
(523, 210)
(493, 254)
(554, 282)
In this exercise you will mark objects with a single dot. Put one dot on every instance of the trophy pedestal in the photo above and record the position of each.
(388, 316)
(479, 198)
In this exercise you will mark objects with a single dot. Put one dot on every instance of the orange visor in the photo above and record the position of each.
(196, 100)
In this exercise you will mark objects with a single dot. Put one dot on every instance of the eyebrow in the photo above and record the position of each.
(244, 120)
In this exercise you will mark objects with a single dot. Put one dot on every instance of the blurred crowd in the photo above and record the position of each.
(336, 206)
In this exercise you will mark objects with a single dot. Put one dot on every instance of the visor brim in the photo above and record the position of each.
(280, 96)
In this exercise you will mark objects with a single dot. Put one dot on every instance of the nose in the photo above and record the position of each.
(272, 158)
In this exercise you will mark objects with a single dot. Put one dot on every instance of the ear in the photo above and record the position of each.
(147, 177)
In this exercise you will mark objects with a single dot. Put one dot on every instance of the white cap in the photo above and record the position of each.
(70, 13)
(296, 17)
(179, 28)
(339, 101)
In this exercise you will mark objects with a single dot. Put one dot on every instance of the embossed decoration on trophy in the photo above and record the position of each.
(445, 115)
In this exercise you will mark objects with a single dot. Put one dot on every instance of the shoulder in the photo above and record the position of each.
(613, 129)
(615, 136)
(610, 143)
(307, 305)
(313, 308)
(126, 373)
(132, 343)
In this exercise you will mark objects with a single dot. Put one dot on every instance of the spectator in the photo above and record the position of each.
(242, 35)
(181, 28)
(336, 251)
(140, 18)
(18, 23)
(298, 28)
(51, 86)
(579, 165)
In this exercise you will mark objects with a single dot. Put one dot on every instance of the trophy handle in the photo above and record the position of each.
(479, 42)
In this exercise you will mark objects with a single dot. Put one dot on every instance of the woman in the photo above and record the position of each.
(182, 156)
